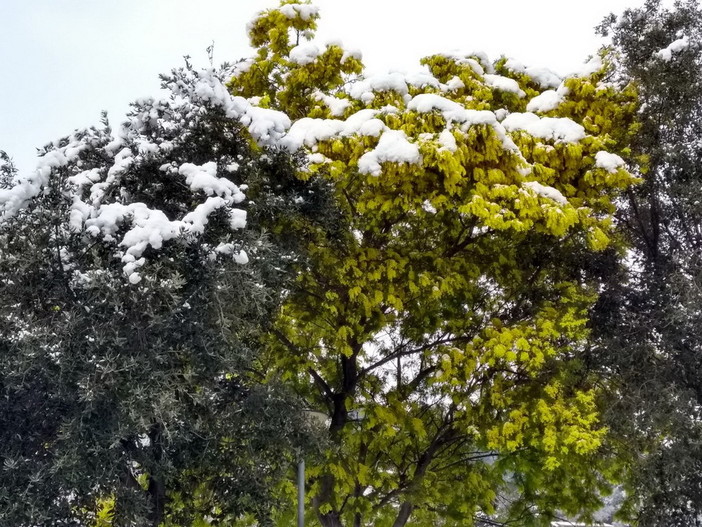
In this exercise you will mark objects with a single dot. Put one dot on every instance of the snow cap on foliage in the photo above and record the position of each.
(547, 100)
(392, 147)
(265, 125)
(292, 10)
(544, 77)
(303, 11)
(421, 79)
(503, 84)
(546, 191)
(304, 53)
(100, 204)
(477, 60)
(609, 162)
(308, 131)
(551, 128)
(448, 141)
(205, 178)
(364, 89)
(451, 110)
(454, 112)
(337, 106)
(15, 198)
(455, 84)
(592, 65)
(666, 54)
(350, 54)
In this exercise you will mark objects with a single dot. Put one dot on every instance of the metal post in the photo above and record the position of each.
(301, 493)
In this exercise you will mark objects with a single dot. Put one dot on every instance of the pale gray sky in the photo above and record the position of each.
(63, 61)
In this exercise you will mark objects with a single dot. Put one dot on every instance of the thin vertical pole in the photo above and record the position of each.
(301, 493)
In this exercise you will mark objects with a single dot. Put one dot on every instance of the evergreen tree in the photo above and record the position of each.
(136, 278)
(648, 319)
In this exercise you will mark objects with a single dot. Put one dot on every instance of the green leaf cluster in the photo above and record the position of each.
(449, 301)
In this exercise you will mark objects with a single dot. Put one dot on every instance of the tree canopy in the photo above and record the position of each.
(446, 309)
(648, 318)
(136, 279)
(485, 276)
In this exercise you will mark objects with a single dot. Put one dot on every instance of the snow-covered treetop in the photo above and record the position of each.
(457, 186)
(159, 177)
(301, 95)
(393, 123)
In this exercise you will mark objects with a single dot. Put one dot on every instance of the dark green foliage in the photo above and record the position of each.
(151, 393)
(649, 319)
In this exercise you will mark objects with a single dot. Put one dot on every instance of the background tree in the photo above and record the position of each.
(136, 278)
(648, 319)
(7, 170)
(445, 309)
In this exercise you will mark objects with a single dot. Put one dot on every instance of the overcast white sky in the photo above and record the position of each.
(63, 61)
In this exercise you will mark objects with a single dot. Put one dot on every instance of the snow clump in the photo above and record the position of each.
(610, 162)
(392, 147)
(546, 191)
(666, 54)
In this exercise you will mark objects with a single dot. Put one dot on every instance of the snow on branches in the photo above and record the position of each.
(174, 165)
